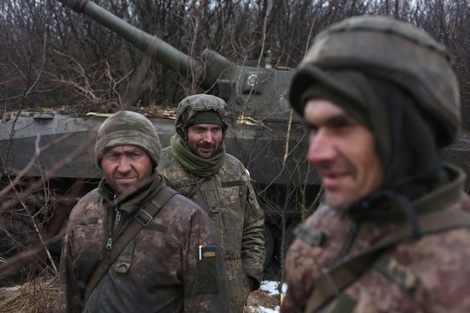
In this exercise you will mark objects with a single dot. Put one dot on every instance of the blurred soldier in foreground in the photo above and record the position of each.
(197, 166)
(381, 99)
(134, 244)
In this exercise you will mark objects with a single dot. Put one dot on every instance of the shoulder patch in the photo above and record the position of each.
(399, 274)
(312, 236)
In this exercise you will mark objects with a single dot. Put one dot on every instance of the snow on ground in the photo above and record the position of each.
(272, 287)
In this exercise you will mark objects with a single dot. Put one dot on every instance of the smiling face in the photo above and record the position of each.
(126, 168)
(343, 153)
(204, 140)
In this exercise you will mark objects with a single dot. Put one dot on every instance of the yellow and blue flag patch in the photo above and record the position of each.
(208, 252)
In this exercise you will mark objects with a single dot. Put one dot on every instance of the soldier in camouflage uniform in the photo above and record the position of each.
(173, 264)
(197, 166)
(381, 99)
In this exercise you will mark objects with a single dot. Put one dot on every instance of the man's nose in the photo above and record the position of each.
(321, 149)
(124, 164)
(208, 137)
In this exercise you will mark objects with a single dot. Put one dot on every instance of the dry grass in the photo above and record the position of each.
(259, 299)
(37, 296)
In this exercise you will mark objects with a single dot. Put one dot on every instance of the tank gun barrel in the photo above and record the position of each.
(207, 73)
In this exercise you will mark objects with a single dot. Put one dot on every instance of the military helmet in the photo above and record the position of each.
(393, 50)
(189, 107)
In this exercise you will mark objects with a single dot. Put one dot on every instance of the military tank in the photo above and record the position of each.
(264, 134)
(55, 152)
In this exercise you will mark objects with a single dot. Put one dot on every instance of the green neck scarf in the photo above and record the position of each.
(134, 201)
(196, 165)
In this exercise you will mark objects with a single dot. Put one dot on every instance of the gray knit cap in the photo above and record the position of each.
(128, 128)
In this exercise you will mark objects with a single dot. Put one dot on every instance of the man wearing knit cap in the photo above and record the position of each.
(133, 244)
(382, 100)
(197, 166)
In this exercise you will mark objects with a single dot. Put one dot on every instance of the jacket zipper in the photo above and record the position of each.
(117, 220)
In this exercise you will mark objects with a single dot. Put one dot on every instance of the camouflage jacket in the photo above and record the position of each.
(229, 199)
(161, 270)
(425, 275)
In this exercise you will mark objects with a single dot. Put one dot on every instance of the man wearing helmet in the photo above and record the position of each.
(197, 166)
(381, 99)
(134, 244)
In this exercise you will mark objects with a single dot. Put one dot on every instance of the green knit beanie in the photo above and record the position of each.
(128, 128)
(207, 117)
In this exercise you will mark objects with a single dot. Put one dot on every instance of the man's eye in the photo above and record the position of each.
(135, 154)
(343, 124)
(312, 130)
(111, 157)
